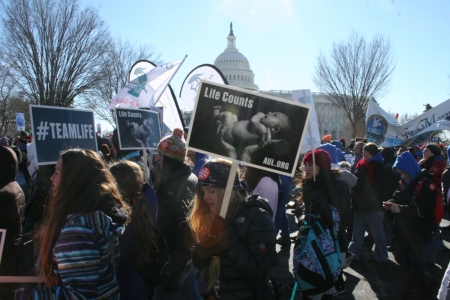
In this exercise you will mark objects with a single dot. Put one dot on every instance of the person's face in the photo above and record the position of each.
(404, 176)
(366, 155)
(309, 170)
(275, 120)
(210, 197)
(427, 154)
(358, 150)
(56, 177)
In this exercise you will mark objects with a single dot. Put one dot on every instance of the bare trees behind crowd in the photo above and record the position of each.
(55, 52)
(355, 71)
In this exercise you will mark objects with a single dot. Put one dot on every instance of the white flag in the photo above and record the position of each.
(203, 72)
(312, 136)
(145, 90)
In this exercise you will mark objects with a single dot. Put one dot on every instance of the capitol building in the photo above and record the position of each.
(236, 69)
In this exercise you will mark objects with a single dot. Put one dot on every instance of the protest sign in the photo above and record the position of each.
(58, 128)
(137, 128)
(20, 121)
(258, 130)
(2, 242)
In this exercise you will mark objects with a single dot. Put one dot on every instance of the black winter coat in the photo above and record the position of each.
(12, 201)
(174, 198)
(247, 251)
(370, 190)
(412, 227)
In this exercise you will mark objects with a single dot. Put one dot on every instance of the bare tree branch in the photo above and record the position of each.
(354, 72)
(54, 47)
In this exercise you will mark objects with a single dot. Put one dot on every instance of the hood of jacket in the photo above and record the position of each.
(98, 222)
(348, 178)
(8, 165)
(110, 207)
(331, 149)
(258, 202)
(378, 157)
(407, 163)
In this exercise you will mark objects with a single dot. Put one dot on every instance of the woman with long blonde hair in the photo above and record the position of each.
(234, 254)
(78, 241)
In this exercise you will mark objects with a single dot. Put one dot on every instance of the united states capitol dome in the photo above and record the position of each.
(235, 66)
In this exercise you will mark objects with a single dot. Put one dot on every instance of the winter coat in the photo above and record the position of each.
(412, 227)
(83, 259)
(175, 196)
(135, 282)
(369, 192)
(445, 183)
(435, 165)
(12, 201)
(247, 251)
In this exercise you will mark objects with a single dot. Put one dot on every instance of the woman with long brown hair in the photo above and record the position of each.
(234, 254)
(142, 248)
(78, 241)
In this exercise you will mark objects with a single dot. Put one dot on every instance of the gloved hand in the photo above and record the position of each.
(169, 283)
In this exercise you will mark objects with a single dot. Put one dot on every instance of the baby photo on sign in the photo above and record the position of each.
(252, 128)
(138, 129)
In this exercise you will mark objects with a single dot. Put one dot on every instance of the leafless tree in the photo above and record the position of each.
(116, 65)
(355, 71)
(54, 48)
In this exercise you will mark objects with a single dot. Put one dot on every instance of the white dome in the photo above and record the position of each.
(235, 66)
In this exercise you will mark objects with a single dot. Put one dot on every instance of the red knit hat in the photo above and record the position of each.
(321, 157)
(173, 146)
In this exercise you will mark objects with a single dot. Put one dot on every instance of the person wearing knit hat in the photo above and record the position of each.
(367, 200)
(4, 142)
(173, 146)
(319, 194)
(239, 250)
(175, 192)
(322, 159)
(327, 138)
(433, 162)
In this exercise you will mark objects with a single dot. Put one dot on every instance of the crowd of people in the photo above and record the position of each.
(110, 224)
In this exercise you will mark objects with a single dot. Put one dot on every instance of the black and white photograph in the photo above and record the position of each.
(59, 128)
(253, 128)
(2, 242)
(138, 128)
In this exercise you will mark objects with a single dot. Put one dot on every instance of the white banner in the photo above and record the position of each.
(145, 90)
(312, 135)
(385, 131)
(20, 121)
(190, 85)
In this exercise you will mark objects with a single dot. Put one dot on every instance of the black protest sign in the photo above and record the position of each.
(137, 128)
(2, 242)
(56, 129)
(256, 129)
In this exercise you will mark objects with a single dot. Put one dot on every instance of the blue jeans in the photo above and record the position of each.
(374, 221)
(188, 290)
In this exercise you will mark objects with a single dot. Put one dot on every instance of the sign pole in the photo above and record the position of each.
(228, 189)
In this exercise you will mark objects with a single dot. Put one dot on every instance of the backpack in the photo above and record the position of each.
(439, 205)
(317, 258)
